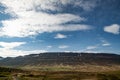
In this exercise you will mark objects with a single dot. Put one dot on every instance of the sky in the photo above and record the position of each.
(37, 26)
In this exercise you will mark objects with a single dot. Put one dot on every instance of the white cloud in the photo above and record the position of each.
(105, 43)
(32, 52)
(63, 46)
(27, 30)
(14, 53)
(48, 4)
(60, 36)
(92, 47)
(92, 51)
(11, 45)
(49, 46)
(30, 20)
(7, 49)
(86, 5)
(114, 28)
(77, 51)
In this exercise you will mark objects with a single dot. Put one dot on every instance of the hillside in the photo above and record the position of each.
(61, 66)
(62, 58)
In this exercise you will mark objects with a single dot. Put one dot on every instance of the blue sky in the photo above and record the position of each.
(34, 26)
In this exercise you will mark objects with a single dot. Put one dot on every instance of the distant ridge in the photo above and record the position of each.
(64, 58)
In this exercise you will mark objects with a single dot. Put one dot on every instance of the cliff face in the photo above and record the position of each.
(62, 58)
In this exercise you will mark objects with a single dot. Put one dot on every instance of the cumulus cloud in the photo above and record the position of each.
(29, 18)
(60, 36)
(114, 28)
(63, 46)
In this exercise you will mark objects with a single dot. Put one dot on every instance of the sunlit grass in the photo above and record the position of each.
(57, 75)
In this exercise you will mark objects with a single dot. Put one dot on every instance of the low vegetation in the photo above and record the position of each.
(18, 74)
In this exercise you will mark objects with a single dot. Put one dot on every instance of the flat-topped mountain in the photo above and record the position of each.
(57, 58)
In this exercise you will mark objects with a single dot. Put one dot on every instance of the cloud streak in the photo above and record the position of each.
(15, 53)
(105, 43)
(29, 19)
(92, 47)
(63, 46)
(11, 45)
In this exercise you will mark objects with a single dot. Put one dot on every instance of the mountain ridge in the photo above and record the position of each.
(65, 58)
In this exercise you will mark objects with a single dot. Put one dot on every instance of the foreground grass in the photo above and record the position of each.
(80, 68)
(16, 74)
(71, 75)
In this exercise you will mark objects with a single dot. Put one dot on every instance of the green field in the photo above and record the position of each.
(17, 74)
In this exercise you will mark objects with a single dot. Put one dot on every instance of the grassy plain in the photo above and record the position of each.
(60, 73)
